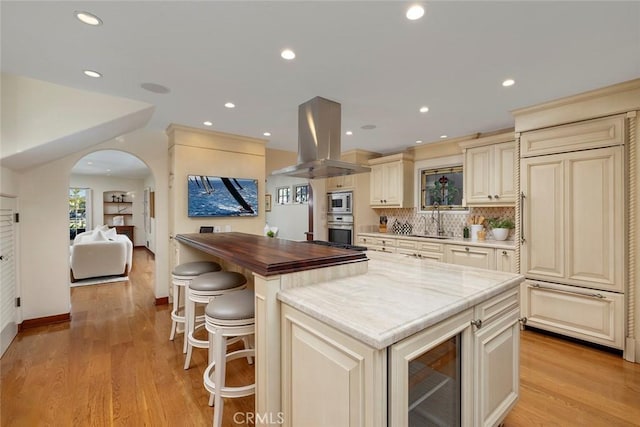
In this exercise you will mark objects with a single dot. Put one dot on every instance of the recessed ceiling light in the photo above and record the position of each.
(207, 123)
(91, 73)
(419, 141)
(120, 138)
(424, 109)
(108, 170)
(443, 136)
(267, 134)
(88, 18)
(368, 127)
(89, 163)
(230, 105)
(508, 82)
(348, 132)
(415, 12)
(288, 54)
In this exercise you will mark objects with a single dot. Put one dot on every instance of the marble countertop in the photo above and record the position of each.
(397, 297)
(499, 244)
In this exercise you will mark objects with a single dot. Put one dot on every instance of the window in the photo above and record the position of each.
(283, 195)
(301, 193)
(77, 211)
(442, 186)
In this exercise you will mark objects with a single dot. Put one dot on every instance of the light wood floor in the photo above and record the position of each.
(113, 365)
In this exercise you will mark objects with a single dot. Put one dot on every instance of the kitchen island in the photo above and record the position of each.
(348, 329)
(270, 265)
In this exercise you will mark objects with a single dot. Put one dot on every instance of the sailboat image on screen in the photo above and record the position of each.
(210, 196)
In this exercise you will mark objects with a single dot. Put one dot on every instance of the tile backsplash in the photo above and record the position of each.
(452, 221)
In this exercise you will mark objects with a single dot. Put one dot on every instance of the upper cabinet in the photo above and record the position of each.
(341, 182)
(489, 171)
(391, 181)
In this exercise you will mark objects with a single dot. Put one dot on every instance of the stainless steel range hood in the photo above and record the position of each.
(319, 122)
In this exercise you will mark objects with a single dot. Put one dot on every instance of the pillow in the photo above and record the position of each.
(99, 236)
(111, 234)
(101, 227)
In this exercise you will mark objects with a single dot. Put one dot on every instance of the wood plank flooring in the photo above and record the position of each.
(113, 365)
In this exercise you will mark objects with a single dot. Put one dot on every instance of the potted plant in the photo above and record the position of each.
(500, 227)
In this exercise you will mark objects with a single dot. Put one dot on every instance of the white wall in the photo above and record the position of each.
(100, 184)
(43, 199)
(292, 219)
(8, 182)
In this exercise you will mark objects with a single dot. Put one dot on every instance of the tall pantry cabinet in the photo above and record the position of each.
(573, 215)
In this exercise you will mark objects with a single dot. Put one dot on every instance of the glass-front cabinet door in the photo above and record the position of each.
(430, 377)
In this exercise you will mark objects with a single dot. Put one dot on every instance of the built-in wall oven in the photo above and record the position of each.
(340, 228)
(340, 202)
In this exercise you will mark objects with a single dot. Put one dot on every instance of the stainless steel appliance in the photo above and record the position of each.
(337, 245)
(340, 202)
(319, 148)
(340, 228)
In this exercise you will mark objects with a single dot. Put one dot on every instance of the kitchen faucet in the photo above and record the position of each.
(424, 223)
(436, 218)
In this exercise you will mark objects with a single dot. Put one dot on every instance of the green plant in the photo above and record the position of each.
(271, 234)
(501, 223)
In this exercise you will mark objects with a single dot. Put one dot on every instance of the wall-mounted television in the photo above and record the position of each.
(210, 196)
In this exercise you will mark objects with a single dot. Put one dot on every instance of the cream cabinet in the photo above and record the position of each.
(506, 260)
(460, 371)
(471, 256)
(591, 315)
(329, 378)
(382, 244)
(391, 181)
(476, 352)
(489, 173)
(341, 182)
(573, 218)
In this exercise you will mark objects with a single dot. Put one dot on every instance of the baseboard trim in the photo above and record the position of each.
(44, 321)
(162, 301)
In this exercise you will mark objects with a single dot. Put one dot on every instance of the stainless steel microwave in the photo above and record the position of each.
(340, 202)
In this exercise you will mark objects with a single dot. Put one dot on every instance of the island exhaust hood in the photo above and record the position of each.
(319, 131)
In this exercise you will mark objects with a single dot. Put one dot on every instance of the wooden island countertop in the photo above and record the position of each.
(269, 256)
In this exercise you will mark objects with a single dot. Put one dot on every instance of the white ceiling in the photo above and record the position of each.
(111, 163)
(365, 55)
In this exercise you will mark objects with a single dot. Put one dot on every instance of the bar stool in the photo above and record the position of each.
(202, 290)
(181, 276)
(228, 316)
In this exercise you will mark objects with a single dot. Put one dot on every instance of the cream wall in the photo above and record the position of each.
(36, 112)
(8, 182)
(199, 152)
(100, 184)
(44, 236)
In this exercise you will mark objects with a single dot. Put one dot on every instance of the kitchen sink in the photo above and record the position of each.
(429, 236)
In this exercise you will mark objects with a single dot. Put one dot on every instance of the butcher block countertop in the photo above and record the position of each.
(269, 256)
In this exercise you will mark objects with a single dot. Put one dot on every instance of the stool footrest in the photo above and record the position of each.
(240, 391)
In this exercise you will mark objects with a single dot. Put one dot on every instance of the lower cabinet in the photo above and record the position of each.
(329, 378)
(591, 315)
(461, 371)
(506, 260)
(471, 256)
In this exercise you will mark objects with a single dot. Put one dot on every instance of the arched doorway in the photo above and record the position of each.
(118, 189)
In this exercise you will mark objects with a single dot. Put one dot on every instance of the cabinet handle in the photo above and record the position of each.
(490, 196)
(466, 249)
(584, 294)
(477, 323)
(496, 196)
(504, 253)
(522, 197)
